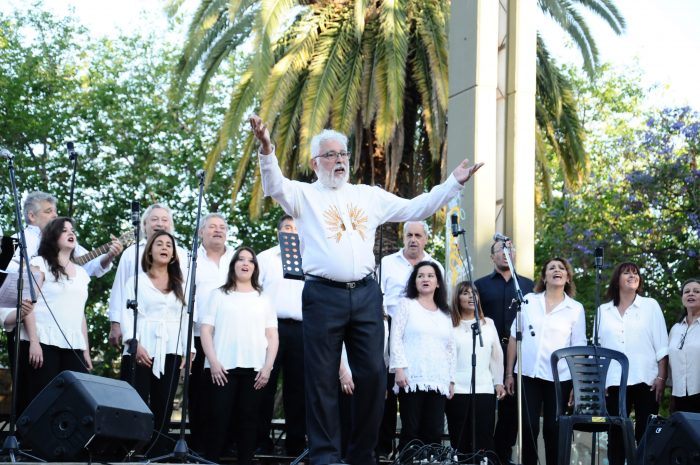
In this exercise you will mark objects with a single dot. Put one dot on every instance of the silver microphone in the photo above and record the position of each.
(6, 154)
(498, 237)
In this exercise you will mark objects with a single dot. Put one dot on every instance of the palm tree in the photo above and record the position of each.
(374, 69)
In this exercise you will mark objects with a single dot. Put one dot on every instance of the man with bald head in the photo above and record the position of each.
(341, 300)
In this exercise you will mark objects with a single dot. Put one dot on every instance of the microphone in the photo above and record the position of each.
(6, 154)
(498, 237)
(135, 216)
(200, 174)
(599, 257)
(72, 155)
(454, 221)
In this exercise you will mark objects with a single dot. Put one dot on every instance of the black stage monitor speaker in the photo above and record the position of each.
(675, 441)
(85, 416)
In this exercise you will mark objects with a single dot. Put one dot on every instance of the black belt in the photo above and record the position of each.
(349, 285)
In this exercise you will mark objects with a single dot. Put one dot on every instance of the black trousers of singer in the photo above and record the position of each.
(159, 395)
(459, 421)
(332, 315)
(643, 402)
(539, 395)
(56, 360)
(196, 398)
(686, 403)
(235, 402)
(422, 417)
(506, 432)
(290, 363)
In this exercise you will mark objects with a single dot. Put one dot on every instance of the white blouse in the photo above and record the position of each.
(489, 358)
(640, 334)
(684, 366)
(60, 308)
(239, 320)
(161, 324)
(422, 343)
(544, 333)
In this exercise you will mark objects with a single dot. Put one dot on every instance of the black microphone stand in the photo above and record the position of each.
(73, 156)
(519, 300)
(133, 304)
(181, 450)
(596, 325)
(476, 331)
(11, 445)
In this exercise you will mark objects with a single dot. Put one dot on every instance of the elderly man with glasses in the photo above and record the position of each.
(341, 300)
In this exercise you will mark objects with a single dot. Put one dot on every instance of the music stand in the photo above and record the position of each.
(290, 254)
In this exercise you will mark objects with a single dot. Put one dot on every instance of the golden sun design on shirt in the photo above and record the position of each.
(335, 225)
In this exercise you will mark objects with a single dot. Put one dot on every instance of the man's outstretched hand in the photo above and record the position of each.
(463, 172)
(262, 134)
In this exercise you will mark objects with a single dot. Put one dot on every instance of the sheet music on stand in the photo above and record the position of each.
(7, 251)
(290, 254)
(8, 289)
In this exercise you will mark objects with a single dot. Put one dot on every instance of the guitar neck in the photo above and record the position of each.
(93, 254)
(125, 239)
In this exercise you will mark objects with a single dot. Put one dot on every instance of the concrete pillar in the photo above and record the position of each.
(491, 118)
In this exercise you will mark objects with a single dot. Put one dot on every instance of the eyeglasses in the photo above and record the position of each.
(333, 155)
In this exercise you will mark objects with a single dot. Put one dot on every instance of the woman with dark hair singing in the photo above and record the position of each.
(488, 374)
(551, 320)
(240, 340)
(54, 336)
(423, 353)
(161, 332)
(684, 351)
(634, 325)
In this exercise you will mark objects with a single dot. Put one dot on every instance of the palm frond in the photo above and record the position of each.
(394, 32)
(346, 102)
(431, 26)
(324, 76)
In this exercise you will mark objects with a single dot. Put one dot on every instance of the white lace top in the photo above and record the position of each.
(422, 343)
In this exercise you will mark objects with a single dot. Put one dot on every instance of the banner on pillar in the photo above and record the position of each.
(456, 266)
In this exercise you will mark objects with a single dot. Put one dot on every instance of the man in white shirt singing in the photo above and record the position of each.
(341, 301)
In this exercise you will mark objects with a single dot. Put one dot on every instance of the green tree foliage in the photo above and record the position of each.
(642, 200)
(377, 70)
(110, 97)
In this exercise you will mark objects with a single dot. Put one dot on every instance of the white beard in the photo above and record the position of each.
(328, 178)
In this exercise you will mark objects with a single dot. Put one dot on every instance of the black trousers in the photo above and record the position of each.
(56, 360)
(158, 394)
(539, 395)
(686, 403)
(459, 421)
(643, 401)
(506, 432)
(289, 362)
(333, 315)
(195, 399)
(422, 417)
(387, 428)
(235, 402)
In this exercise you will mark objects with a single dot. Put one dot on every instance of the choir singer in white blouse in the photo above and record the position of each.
(551, 320)
(161, 332)
(422, 355)
(634, 325)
